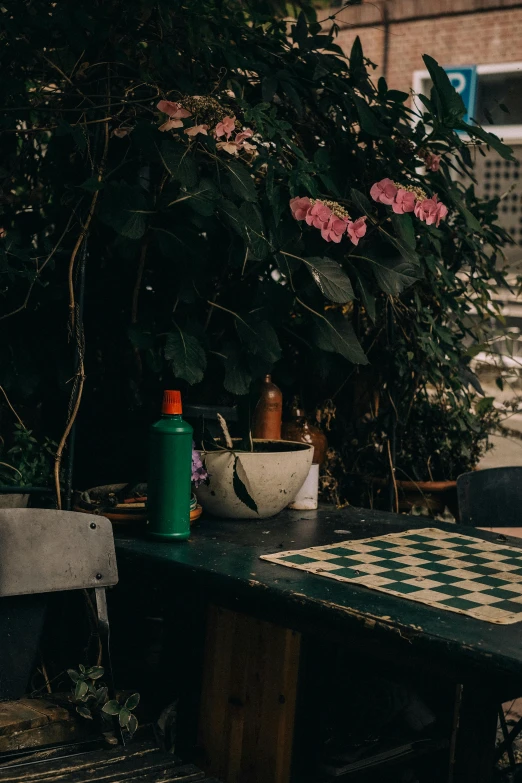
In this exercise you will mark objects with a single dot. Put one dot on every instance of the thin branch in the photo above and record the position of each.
(139, 277)
(392, 470)
(11, 407)
(80, 373)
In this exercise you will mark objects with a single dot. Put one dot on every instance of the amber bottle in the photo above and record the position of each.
(299, 428)
(268, 412)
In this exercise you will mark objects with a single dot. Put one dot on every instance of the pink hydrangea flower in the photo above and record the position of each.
(173, 110)
(442, 211)
(225, 127)
(384, 191)
(245, 134)
(170, 124)
(196, 129)
(432, 161)
(233, 146)
(319, 215)
(300, 207)
(356, 229)
(404, 202)
(428, 211)
(334, 229)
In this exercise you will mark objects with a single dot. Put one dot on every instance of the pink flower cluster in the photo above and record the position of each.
(329, 217)
(176, 114)
(409, 199)
(225, 128)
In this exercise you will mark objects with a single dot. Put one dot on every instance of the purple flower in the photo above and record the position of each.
(199, 473)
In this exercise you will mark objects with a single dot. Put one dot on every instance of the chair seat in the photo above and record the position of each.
(137, 762)
(31, 723)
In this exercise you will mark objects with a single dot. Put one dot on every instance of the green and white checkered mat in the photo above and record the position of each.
(435, 567)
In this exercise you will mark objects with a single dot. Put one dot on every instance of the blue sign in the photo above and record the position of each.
(464, 79)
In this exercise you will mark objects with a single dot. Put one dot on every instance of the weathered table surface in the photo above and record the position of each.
(224, 557)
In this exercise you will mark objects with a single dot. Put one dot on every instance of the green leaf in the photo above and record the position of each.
(237, 377)
(92, 184)
(132, 725)
(489, 138)
(186, 356)
(397, 96)
(84, 711)
(268, 87)
(241, 182)
(336, 335)
(133, 701)
(101, 694)
(232, 215)
(331, 279)
(141, 340)
(469, 217)
(254, 230)
(124, 717)
(240, 488)
(368, 299)
(356, 56)
(112, 707)
(124, 208)
(453, 107)
(393, 275)
(179, 163)
(80, 689)
(96, 672)
(204, 198)
(403, 225)
(361, 201)
(260, 337)
(300, 30)
(135, 225)
(73, 674)
(369, 121)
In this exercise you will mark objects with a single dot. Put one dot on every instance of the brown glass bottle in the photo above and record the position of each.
(268, 412)
(299, 428)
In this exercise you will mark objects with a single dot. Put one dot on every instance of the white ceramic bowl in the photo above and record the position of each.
(272, 477)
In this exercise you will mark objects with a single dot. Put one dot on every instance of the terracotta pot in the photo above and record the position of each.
(433, 495)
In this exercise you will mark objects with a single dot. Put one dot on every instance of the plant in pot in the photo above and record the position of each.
(25, 462)
(251, 478)
(237, 210)
(439, 438)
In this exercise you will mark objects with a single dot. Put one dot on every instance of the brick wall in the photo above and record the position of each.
(473, 32)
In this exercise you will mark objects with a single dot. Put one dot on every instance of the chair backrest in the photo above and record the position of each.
(44, 551)
(491, 498)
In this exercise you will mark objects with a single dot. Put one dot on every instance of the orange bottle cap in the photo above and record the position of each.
(171, 402)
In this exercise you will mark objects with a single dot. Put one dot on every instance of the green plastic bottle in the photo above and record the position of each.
(170, 472)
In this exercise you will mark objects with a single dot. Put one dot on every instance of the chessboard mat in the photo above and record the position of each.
(435, 567)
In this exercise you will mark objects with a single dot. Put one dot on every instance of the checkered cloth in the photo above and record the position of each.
(448, 571)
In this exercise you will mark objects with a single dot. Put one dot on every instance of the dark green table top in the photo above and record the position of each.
(222, 558)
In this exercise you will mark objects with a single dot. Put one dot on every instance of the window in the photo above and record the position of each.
(495, 88)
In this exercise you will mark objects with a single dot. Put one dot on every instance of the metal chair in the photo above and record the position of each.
(44, 551)
(492, 499)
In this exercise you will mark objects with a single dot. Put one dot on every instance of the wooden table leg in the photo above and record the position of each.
(246, 723)
(475, 735)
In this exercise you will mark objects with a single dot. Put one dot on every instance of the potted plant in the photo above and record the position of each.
(25, 462)
(238, 210)
(440, 439)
